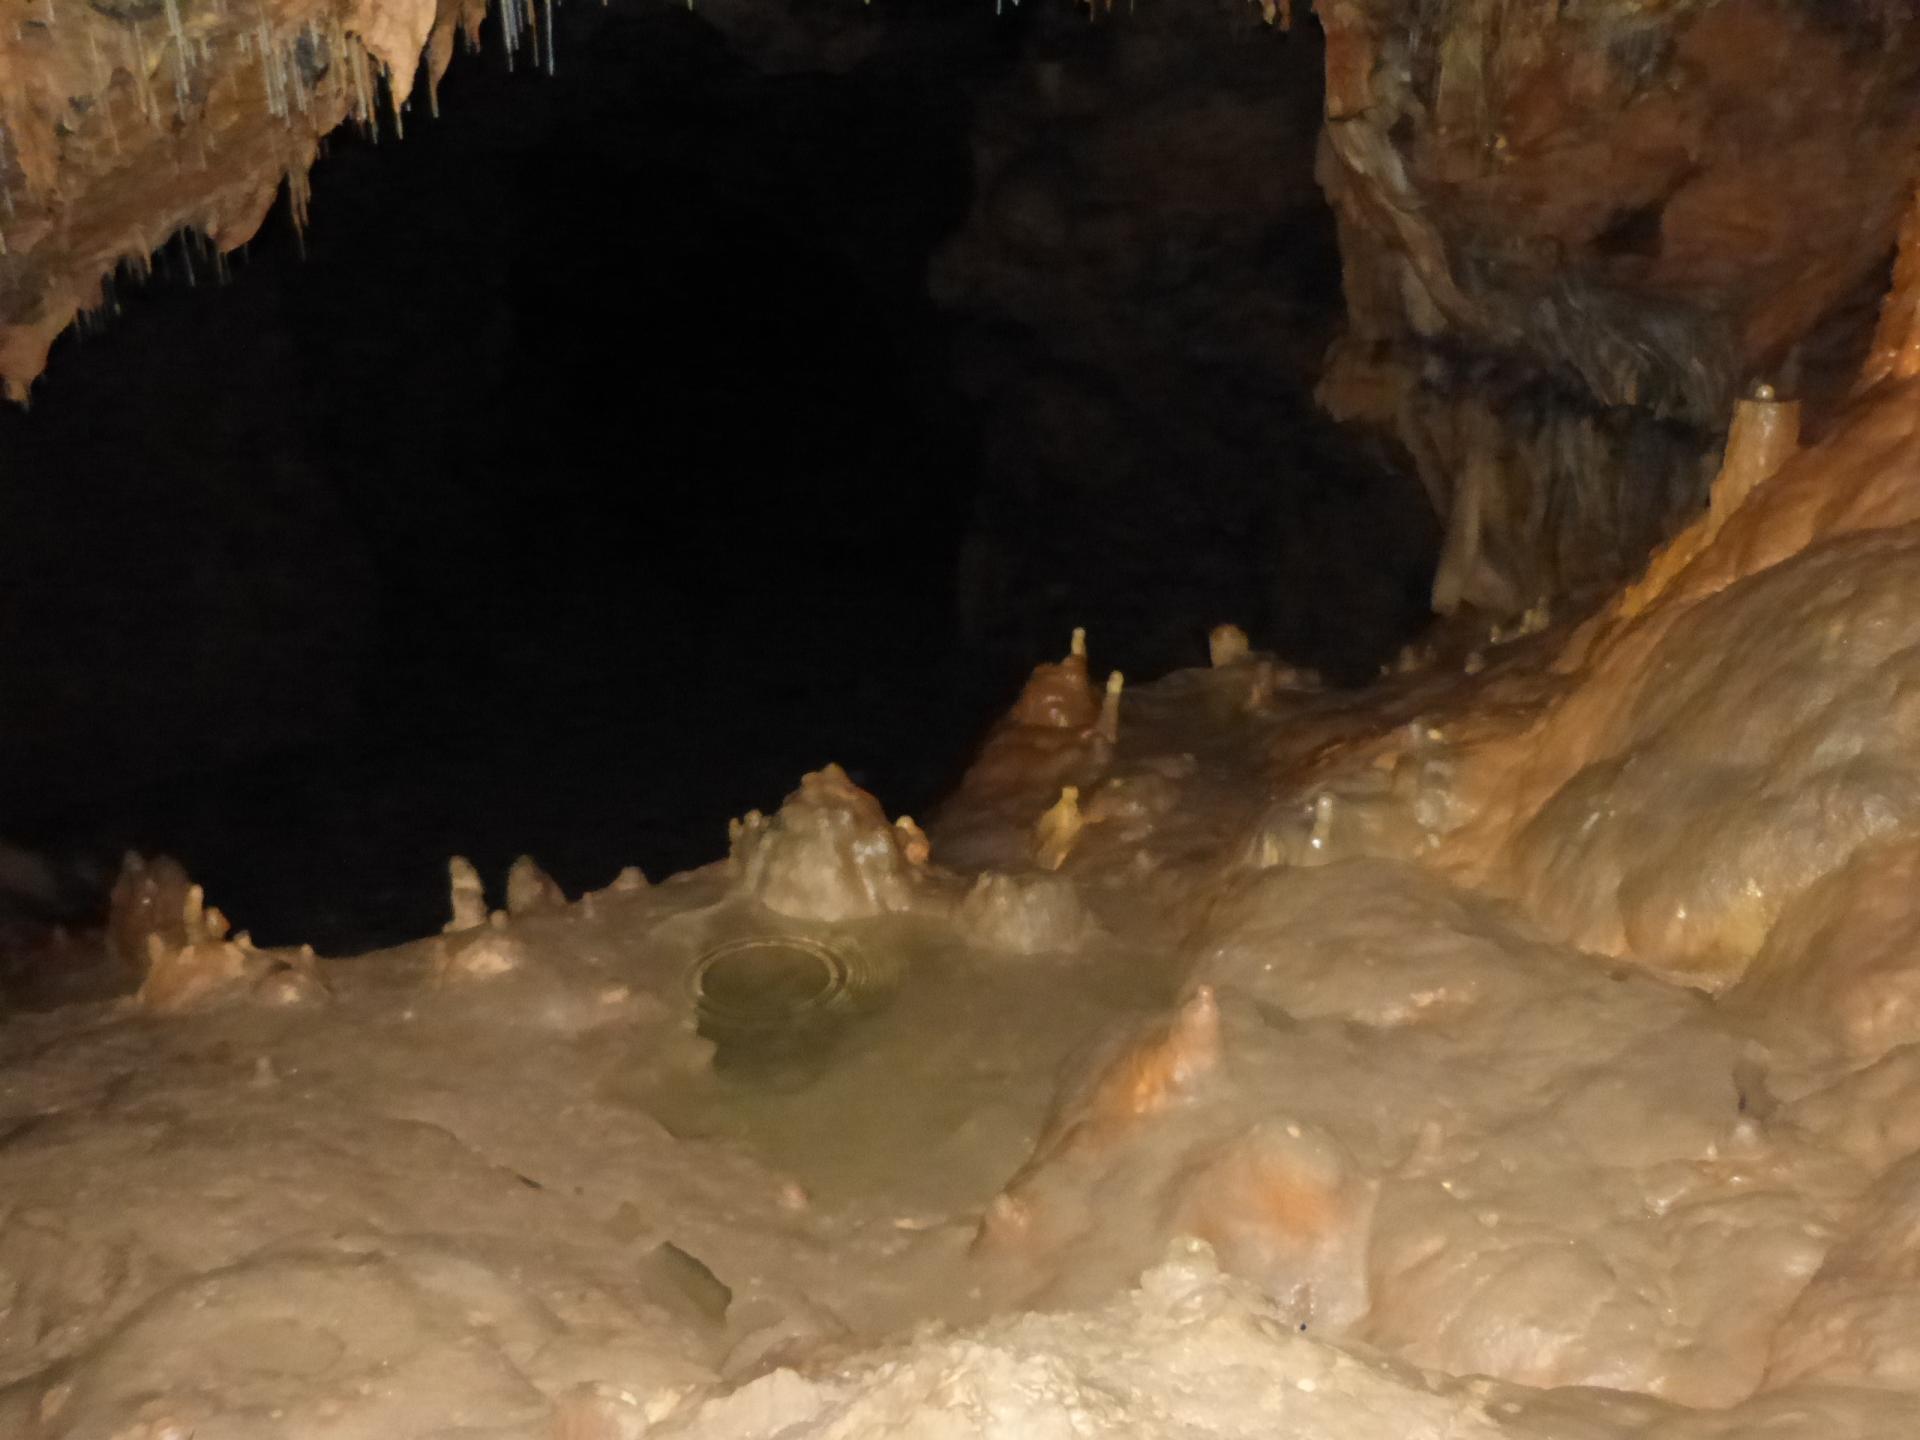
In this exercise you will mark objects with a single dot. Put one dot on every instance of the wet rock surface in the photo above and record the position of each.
(1573, 237)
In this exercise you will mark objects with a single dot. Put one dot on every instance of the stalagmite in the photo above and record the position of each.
(531, 891)
(1226, 645)
(1569, 244)
(161, 926)
(1024, 914)
(1524, 1048)
(477, 954)
(829, 853)
(1541, 1042)
(1765, 434)
(150, 897)
(1789, 588)
(1107, 727)
(203, 963)
(1051, 738)
(914, 844)
(1060, 696)
(1058, 831)
(466, 896)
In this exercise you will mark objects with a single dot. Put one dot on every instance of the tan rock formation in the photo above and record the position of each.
(127, 121)
(1572, 235)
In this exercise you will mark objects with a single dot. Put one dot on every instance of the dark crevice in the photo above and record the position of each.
(599, 460)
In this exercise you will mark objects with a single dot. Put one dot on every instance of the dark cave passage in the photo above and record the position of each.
(599, 461)
(1524, 1042)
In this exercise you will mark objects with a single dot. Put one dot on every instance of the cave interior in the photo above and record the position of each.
(782, 719)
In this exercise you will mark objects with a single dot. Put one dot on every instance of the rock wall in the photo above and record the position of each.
(1145, 289)
(125, 121)
(1570, 238)
(1533, 1048)
(1573, 236)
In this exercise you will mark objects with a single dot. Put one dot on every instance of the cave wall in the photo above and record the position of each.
(1574, 235)
(1142, 357)
(125, 121)
(1145, 289)
(1571, 237)
(1397, 1114)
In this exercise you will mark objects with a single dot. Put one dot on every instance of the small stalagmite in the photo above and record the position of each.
(1024, 914)
(1059, 696)
(531, 891)
(160, 924)
(1059, 732)
(1107, 727)
(482, 953)
(1226, 645)
(1057, 831)
(466, 896)
(150, 897)
(913, 841)
(829, 853)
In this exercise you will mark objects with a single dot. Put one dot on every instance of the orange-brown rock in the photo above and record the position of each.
(127, 121)
(1574, 235)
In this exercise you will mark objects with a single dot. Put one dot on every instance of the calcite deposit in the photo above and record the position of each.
(1526, 1047)
(1574, 235)
(1554, 1078)
(124, 123)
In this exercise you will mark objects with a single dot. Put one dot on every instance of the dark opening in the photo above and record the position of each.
(1634, 230)
(597, 462)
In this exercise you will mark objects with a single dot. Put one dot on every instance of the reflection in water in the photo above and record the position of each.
(776, 1006)
(878, 1057)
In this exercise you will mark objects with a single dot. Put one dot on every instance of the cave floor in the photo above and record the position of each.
(1206, 1104)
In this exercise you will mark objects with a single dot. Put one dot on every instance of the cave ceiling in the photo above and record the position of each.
(1572, 235)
